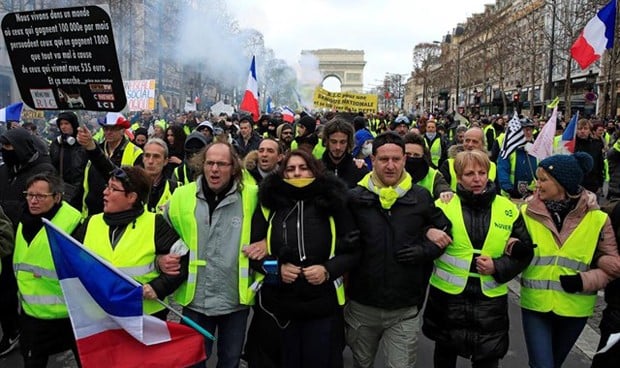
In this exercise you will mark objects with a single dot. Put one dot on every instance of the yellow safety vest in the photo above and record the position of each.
(541, 290)
(339, 282)
(428, 182)
(492, 174)
(452, 268)
(317, 151)
(39, 289)
(182, 169)
(165, 197)
(487, 128)
(134, 253)
(435, 150)
(131, 152)
(181, 212)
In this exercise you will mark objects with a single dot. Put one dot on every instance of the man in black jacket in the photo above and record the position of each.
(339, 141)
(401, 233)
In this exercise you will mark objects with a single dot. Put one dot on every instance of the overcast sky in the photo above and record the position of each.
(387, 30)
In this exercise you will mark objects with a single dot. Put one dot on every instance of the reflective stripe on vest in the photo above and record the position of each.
(39, 289)
(452, 269)
(134, 253)
(541, 290)
(181, 212)
(492, 174)
(339, 282)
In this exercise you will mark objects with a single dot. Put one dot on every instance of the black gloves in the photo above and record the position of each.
(521, 250)
(571, 283)
(410, 254)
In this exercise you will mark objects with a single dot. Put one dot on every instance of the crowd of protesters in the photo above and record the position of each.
(334, 228)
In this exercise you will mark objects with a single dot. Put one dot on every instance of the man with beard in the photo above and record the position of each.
(339, 141)
(285, 135)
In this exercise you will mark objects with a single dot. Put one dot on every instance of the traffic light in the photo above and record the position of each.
(516, 97)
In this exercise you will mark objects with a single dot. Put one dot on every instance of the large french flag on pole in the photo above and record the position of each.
(12, 112)
(105, 307)
(249, 102)
(596, 37)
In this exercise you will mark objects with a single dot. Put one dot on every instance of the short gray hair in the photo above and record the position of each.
(160, 142)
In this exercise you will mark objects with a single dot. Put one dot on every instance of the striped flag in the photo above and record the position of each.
(12, 112)
(568, 137)
(249, 102)
(514, 137)
(288, 115)
(543, 146)
(596, 37)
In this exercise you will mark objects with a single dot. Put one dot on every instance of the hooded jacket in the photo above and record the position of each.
(25, 162)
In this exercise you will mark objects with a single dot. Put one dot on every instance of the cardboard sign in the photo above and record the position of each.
(65, 59)
(140, 94)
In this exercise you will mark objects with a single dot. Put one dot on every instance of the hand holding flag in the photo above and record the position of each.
(106, 314)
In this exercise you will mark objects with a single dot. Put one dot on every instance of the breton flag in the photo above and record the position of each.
(288, 115)
(105, 307)
(543, 145)
(514, 137)
(12, 112)
(249, 102)
(568, 137)
(596, 36)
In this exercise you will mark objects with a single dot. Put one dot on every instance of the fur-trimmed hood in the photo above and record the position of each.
(328, 193)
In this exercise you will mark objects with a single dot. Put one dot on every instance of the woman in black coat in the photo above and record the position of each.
(311, 243)
(467, 310)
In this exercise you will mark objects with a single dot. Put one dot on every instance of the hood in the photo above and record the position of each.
(454, 150)
(195, 141)
(22, 142)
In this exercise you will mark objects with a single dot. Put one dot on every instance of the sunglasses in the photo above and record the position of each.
(121, 175)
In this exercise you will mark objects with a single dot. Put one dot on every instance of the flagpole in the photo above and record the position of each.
(188, 320)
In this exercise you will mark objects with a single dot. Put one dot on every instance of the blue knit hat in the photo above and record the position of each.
(568, 170)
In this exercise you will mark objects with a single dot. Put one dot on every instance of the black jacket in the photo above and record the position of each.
(593, 180)
(346, 169)
(379, 280)
(470, 323)
(14, 176)
(72, 159)
(300, 234)
(244, 148)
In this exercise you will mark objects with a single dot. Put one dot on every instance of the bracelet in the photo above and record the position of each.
(326, 275)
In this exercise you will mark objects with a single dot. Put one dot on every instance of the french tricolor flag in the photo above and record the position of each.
(568, 137)
(105, 307)
(12, 112)
(288, 115)
(249, 102)
(596, 37)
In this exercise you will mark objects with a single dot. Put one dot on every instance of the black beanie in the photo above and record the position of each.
(568, 170)
(309, 123)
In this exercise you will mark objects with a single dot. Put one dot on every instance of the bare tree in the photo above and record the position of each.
(424, 56)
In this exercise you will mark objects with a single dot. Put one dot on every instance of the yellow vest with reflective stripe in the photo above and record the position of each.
(165, 196)
(451, 270)
(134, 253)
(181, 212)
(39, 289)
(339, 282)
(541, 290)
(131, 152)
(492, 174)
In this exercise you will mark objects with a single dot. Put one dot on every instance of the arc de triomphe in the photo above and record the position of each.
(346, 65)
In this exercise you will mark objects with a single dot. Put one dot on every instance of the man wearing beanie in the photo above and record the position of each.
(69, 158)
(558, 288)
(307, 138)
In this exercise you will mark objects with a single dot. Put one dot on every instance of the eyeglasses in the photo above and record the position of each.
(112, 189)
(217, 163)
(37, 196)
(120, 175)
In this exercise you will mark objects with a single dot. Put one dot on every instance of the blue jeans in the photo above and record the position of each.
(549, 337)
(230, 335)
